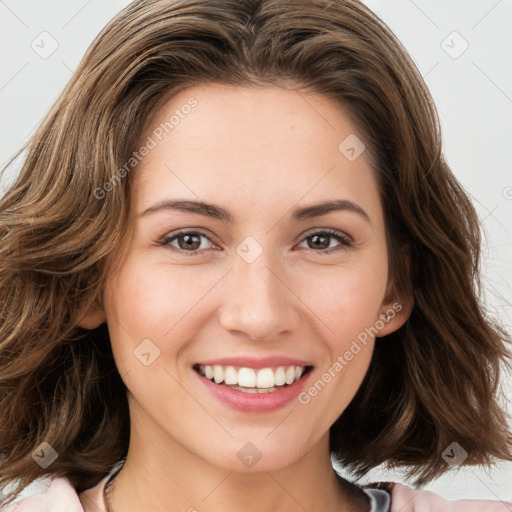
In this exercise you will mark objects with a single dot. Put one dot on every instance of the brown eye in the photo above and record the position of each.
(319, 241)
(189, 242)
(322, 241)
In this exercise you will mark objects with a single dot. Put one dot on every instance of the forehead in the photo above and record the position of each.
(261, 143)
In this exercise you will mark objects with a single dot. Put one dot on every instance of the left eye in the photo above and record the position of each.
(322, 240)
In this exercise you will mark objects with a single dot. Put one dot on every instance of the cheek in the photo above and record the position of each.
(153, 302)
(346, 306)
(347, 299)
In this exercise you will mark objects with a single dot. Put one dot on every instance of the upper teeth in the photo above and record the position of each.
(248, 377)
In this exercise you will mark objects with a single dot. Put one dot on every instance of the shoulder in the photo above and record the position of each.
(59, 497)
(406, 499)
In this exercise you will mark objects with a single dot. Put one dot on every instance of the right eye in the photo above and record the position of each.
(185, 242)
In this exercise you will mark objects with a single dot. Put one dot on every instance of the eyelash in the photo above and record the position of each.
(345, 241)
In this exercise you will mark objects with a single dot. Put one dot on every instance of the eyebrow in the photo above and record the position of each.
(219, 213)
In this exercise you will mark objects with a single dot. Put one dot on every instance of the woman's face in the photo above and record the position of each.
(233, 261)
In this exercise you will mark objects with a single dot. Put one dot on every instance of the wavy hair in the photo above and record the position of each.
(433, 382)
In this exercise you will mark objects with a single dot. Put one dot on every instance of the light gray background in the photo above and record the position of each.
(473, 93)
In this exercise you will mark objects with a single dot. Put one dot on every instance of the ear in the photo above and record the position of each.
(93, 317)
(394, 312)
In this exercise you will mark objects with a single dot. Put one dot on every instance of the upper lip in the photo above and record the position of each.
(256, 362)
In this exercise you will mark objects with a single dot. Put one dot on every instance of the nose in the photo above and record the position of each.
(257, 300)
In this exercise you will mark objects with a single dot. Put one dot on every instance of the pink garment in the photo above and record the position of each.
(61, 497)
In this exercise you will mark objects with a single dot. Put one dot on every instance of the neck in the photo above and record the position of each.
(162, 474)
(135, 489)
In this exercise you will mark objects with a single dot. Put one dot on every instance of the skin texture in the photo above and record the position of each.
(259, 153)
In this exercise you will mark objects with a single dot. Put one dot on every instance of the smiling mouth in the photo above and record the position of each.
(250, 380)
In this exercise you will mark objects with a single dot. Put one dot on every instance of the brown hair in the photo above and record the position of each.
(433, 382)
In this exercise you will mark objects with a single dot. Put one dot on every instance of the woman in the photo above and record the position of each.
(233, 250)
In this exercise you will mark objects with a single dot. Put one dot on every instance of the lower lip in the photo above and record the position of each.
(254, 402)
